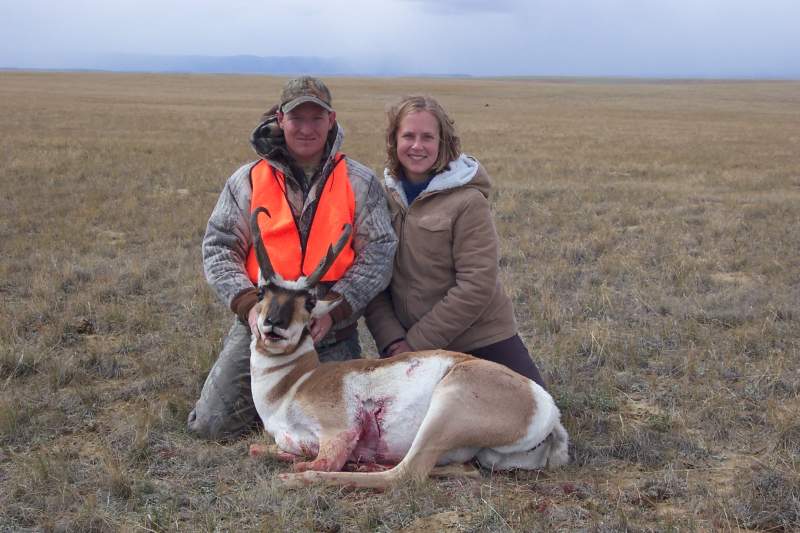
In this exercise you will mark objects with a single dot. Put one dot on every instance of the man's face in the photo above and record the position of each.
(306, 129)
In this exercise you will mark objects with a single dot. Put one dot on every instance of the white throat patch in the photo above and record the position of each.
(297, 285)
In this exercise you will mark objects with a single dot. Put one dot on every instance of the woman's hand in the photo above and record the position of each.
(398, 347)
(319, 327)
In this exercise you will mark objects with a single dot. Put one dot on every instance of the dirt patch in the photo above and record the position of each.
(641, 412)
(446, 521)
(112, 237)
(163, 192)
(741, 279)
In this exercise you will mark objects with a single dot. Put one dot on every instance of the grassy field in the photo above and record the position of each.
(650, 242)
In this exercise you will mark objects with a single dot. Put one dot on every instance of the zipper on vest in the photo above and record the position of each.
(303, 243)
(282, 187)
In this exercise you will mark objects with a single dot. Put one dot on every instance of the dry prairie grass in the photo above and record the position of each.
(650, 240)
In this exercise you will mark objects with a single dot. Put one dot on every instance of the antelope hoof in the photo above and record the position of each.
(258, 450)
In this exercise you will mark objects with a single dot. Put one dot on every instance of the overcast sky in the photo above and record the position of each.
(706, 38)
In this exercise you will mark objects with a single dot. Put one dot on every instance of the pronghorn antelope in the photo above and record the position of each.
(415, 410)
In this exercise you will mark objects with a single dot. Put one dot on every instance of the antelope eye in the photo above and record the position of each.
(310, 303)
(261, 292)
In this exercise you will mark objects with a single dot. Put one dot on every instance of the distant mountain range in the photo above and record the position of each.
(327, 66)
(240, 64)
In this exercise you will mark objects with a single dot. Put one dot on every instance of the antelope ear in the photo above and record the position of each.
(323, 307)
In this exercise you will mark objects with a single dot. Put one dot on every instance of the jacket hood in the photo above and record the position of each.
(269, 142)
(465, 171)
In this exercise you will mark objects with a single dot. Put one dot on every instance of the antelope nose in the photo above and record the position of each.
(274, 322)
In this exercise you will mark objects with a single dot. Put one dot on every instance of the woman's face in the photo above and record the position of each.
(418, 144)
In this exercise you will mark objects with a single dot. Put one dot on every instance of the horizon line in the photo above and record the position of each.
(611, 77)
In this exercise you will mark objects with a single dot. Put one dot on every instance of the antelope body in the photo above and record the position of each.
(415, 410)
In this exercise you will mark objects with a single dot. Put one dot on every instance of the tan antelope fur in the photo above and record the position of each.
(416, 410)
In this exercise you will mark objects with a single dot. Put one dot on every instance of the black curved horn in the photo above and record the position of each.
(261, 251)
(330, 257)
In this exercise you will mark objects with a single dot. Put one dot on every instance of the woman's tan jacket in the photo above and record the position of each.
(445, 291)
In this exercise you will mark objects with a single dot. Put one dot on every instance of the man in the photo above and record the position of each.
(301, 177)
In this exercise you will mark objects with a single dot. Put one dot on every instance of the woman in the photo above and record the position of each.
(445, 291)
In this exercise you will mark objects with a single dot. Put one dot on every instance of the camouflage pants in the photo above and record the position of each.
(225, 409)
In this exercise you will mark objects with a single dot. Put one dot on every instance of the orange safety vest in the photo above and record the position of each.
(336, 207)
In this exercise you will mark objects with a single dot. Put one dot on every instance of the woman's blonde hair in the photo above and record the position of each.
(449, 143)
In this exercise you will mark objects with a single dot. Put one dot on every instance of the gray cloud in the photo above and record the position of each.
(712, 38)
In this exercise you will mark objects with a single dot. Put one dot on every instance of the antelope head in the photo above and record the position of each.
(286, 307)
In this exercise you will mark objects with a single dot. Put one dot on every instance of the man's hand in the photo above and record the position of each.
(252, 320)
(398, 347)
(319, 327)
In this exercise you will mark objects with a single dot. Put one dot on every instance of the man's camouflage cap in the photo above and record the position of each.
(305, 89)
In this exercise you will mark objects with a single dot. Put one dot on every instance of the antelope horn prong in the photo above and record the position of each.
(261, 251)
(330, 256)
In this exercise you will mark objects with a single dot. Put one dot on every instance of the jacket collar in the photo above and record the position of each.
(459, 172)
